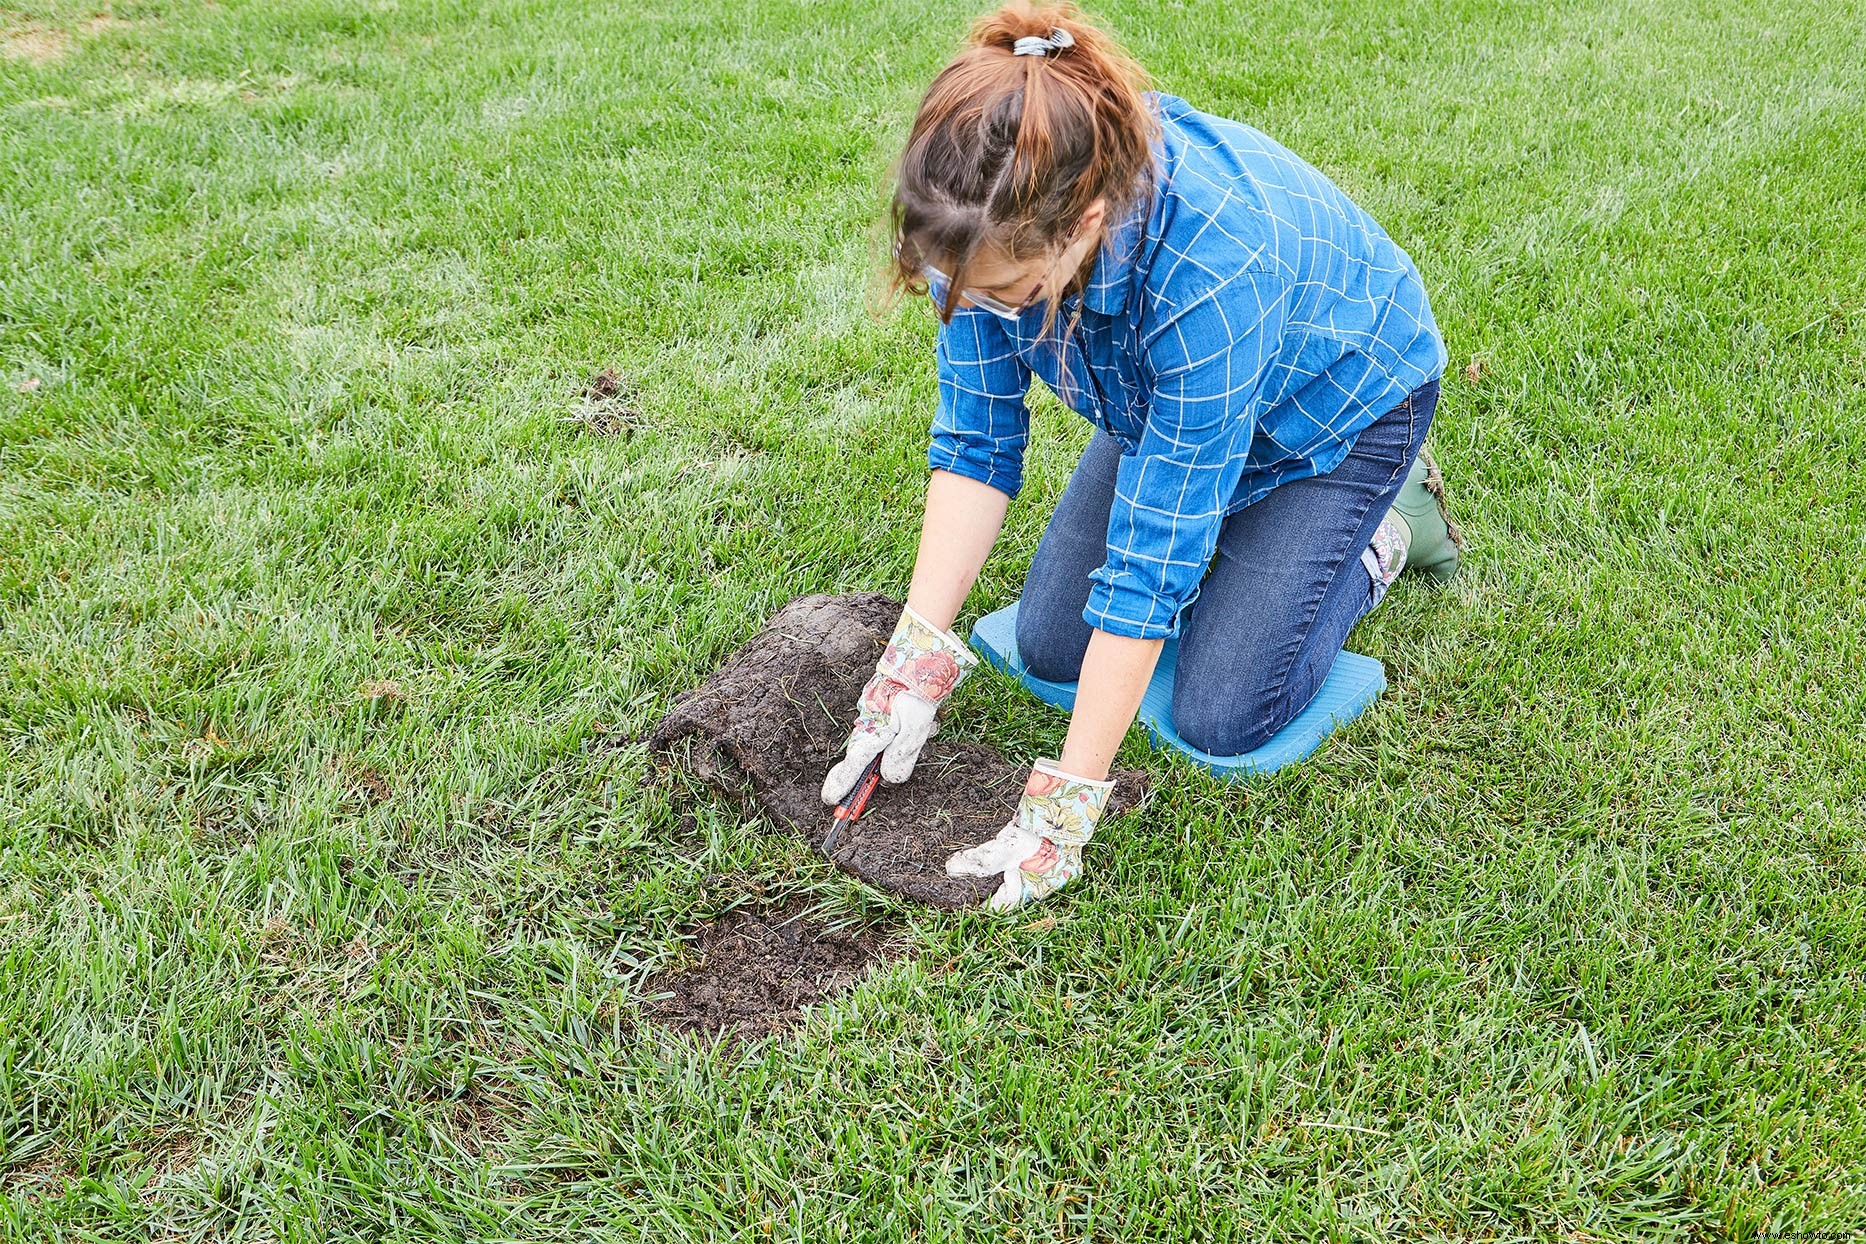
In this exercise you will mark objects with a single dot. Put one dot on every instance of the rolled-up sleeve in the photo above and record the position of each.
(1208, 365)
(983, 423)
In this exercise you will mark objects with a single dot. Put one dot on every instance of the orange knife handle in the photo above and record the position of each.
(863, 790)
(854, 803)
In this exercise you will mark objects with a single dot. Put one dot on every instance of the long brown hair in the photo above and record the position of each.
(1009, 151)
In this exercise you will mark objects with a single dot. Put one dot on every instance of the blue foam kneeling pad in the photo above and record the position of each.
(1352, 685)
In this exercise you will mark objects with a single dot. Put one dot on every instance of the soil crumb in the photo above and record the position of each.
(758, 969)
(772, 721)
(604, 384)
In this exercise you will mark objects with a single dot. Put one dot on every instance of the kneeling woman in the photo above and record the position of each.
(1260, 362)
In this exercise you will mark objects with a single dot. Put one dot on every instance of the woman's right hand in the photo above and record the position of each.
(897, 713)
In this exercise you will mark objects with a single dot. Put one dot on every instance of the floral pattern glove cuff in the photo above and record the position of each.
(919, 658)
(896, 714)
(1040, 851)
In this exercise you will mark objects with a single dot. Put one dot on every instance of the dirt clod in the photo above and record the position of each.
(604, 384)
(771, 721)
(758, 968)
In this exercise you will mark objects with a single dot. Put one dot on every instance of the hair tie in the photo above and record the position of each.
(1037, 45)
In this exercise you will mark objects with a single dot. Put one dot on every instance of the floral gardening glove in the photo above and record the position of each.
(895, 716)
(1040, 851)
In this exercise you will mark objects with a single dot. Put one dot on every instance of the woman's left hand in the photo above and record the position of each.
(1040, 851)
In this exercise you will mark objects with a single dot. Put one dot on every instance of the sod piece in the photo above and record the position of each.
(769, 724)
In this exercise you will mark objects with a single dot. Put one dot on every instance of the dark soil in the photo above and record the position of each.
(604, 384)
(758, 969)
(772, 721)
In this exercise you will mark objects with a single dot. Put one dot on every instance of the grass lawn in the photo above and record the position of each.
(326, 898)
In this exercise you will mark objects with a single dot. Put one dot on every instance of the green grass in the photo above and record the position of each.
(1564, 941)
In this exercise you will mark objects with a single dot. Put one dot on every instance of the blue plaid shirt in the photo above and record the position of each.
(1244, 340)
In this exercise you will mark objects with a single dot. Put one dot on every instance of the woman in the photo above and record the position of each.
(1260, 361)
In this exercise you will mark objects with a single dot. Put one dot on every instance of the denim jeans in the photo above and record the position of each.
(1285, 585)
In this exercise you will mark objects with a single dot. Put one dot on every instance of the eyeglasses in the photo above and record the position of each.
(939, 284)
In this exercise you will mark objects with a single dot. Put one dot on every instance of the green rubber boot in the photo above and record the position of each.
(1433, 541)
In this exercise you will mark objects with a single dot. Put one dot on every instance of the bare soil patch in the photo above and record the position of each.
(758, 968)
(765, 729)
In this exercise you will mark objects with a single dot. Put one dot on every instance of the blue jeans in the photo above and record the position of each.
(1284, 588)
